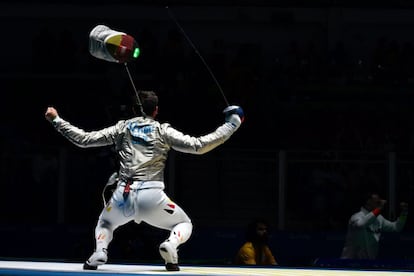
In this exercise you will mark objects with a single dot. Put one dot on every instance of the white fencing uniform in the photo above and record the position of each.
(364, 233)
(142, 145)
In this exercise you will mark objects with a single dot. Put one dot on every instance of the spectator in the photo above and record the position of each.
(255, 250)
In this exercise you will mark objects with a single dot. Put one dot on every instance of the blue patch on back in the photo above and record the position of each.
(140, 133)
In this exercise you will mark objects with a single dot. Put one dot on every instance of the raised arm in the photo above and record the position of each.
(203, 144)
(358, 220)
(80, 137)
(398, 225)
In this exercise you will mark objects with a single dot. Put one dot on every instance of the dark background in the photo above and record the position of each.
(327, 91)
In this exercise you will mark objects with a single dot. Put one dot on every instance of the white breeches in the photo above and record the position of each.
(150, 205)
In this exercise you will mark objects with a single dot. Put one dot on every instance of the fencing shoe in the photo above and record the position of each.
(97, 258)
(169, 254)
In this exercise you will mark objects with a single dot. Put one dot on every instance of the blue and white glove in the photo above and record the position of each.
(234, 114)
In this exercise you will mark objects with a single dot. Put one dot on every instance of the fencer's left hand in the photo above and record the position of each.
(51, 114)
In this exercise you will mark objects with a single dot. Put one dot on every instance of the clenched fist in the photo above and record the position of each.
(51, 113)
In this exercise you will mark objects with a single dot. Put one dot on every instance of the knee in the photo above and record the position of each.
(183, 231)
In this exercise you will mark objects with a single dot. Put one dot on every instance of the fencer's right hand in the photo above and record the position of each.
(51, 114)
(234, 114)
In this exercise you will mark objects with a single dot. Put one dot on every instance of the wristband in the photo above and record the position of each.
(376, 211)
(56, 121)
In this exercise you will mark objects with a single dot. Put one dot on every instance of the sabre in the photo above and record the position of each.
(198, 53)
(115, 46)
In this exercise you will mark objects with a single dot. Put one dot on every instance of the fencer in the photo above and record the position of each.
(366, 226)
(142, 144)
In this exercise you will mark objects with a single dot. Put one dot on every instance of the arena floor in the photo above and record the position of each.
(44, 268)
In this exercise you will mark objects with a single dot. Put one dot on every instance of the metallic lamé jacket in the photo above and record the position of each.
(143, 144)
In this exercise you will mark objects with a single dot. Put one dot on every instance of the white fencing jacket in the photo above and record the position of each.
(364, 233)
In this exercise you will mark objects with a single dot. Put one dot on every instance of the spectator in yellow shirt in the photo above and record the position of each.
(256, 251)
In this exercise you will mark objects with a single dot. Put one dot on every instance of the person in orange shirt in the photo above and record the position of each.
(256, 251)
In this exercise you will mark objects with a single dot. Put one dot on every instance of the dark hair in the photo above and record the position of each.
(251, 231)
(149, 101)
(365, 197)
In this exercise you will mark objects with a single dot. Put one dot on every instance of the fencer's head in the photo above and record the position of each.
(372, 201)
(149, 101)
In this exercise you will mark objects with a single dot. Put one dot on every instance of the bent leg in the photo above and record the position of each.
(158, 210)
(111, 217)
(168, 249)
